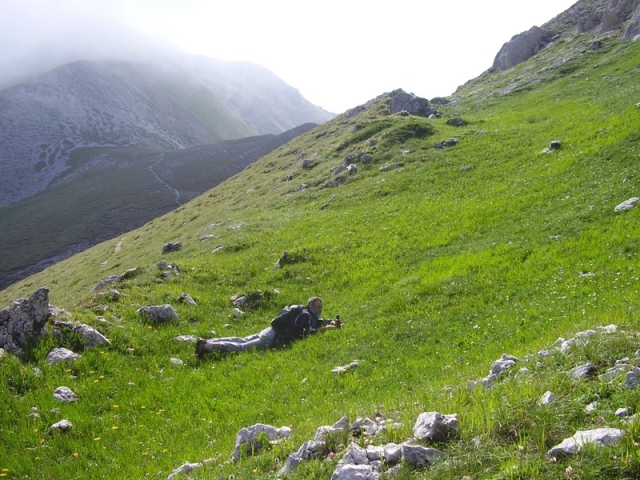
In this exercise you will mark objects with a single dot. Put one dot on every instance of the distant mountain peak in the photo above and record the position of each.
(182, 102)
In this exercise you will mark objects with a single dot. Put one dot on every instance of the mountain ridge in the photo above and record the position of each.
(186, 102)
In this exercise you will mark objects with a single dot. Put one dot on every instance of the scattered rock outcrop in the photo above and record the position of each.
(159, 313)
(402, 101)
(132, 272)
(171, 247)
(61, 426)
(360, 463)
(91, 338)
(251, 439)
(436, 427)
(24, 322)
(599, 436)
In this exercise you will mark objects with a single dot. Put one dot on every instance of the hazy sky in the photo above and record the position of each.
(337, 53)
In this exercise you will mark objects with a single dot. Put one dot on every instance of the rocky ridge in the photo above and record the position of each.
(601, 16)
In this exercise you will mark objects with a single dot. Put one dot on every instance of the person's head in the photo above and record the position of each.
(315, 305)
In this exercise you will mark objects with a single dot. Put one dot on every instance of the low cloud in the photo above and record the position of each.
(38, 36)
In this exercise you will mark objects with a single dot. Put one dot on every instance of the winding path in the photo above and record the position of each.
(175, 192)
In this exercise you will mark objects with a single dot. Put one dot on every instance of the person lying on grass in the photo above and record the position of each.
(295, 323)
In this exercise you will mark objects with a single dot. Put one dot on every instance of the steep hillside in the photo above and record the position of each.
(173, 103)
(492, 229)
(110, 191)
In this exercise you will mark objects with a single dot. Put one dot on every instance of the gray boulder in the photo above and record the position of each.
(91, 338)
(132, 272)
(392, 453)
(449, 142)
(403, 101)
(59, 355)
(435, 426)
(599, 436)
(419, 456)
(159, 313)
(520, 48)
(24, 321)
(626, 205)
(171, 247)
(354, 472)
(582, 371)
(356, 455)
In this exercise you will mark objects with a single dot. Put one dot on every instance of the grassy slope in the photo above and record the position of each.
(118, 196)
(436, 271)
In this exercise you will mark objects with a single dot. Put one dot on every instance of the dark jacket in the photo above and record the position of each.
(305, 324)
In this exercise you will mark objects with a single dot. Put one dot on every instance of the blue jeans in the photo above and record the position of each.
(260, 341)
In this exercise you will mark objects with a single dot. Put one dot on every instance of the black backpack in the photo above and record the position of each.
(287, 318)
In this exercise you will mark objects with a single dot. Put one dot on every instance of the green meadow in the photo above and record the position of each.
(438, 265)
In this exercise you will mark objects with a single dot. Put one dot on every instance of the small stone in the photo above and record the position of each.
(65, 395)
(58, 355)
(171, 247)
(547, 398)
(591, 408)
(583, 370)
(62, 426)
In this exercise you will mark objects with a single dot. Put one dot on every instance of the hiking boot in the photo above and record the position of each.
(200, 347)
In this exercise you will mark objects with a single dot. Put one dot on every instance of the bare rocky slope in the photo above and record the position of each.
(174, 103)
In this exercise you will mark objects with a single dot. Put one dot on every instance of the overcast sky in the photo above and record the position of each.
(337, 53)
